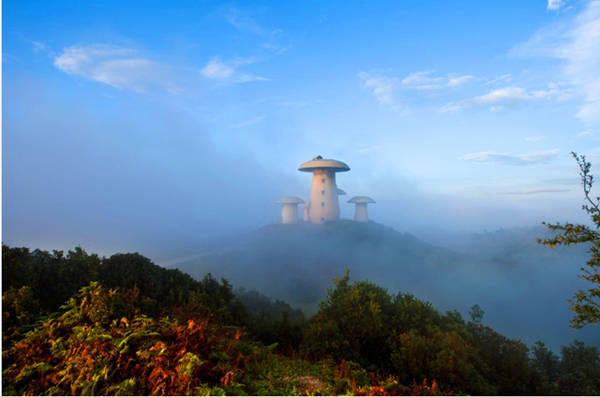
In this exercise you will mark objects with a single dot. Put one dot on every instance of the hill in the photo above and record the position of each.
(304, 258)
(523, 287)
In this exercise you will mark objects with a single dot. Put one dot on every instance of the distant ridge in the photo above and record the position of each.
(303, 259)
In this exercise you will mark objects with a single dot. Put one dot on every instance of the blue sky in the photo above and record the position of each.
(138, 125)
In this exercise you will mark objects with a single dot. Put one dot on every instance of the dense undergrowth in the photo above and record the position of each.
(80, 324)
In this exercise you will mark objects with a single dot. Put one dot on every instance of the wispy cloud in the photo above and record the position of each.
(242, 21)
(503, 79)
(499, 98)
(383, 88)
(427, 80)
(455, 81)
(555, 4)
(216, 69)
(274, 39)
(577, 44)
(588, 133)
(386, 89)
(119, 67)
(527, 192)
(510, 159)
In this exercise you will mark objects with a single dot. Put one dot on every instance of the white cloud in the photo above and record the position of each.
(555, 4)
(426, 80)
(216, 69)
(503, 158)
(534, 138)
(504, 78)
(422, 80)
(459, 80)
(588, 133)
(115, 66)
(576, 43)
(383, 87)
(498, 98)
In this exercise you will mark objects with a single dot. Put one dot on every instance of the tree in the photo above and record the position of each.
(545, 370)
(476, 313)
(579, 370)
(586, 303)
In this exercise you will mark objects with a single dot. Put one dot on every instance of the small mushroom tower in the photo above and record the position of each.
(289, 209)
(360, 212)
(323, 204)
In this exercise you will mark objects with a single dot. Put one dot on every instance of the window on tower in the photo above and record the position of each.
(323, 192)
(322, 203)
(323, 180)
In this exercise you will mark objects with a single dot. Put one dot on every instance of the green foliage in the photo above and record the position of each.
(502, 362)
(586, 303)
(54, 277)
(353, 323)
(164, 333)
(20, 309)
(273, 322)
(92, 348)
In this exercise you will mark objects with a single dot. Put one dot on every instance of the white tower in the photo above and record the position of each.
(323, 204)
(360, 212)
(289, 209)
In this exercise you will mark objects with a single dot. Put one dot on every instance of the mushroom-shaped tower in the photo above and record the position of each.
(340, 192)
(289, 209)
(323, 204)
(360, 213)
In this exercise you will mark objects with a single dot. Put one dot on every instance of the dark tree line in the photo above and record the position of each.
(363, 340)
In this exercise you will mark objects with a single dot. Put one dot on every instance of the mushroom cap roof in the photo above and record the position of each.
(361, 199)
(290, 200)
(321, 163)
(340, 192)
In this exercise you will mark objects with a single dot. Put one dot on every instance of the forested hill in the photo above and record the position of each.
(506, 272)
(304, 258)
(77, 324)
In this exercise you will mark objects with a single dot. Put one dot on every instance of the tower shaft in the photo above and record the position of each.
(324, 204)
(360, 213)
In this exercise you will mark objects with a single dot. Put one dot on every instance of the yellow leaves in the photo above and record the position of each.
(124, 322)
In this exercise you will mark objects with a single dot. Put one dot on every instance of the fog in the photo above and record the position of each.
(151, 178)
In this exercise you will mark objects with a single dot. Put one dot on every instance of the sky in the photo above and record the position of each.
(155, 126)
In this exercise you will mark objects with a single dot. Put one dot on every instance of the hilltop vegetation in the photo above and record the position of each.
(126, 326)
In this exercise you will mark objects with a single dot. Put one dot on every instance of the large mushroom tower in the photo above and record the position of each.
(323, 205)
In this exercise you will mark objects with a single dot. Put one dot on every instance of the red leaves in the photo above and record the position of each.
(138, 355)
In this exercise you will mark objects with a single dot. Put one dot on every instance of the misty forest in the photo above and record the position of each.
(77, 323)
(208, 197)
